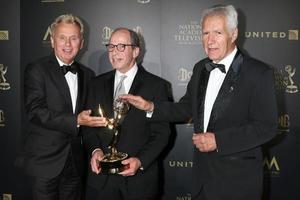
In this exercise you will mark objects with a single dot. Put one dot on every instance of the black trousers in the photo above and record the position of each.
(200, 195)
(66, 186)
(115, 188)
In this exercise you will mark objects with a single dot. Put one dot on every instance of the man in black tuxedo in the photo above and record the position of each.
(55, 94)
(142, 140)
(231, 98)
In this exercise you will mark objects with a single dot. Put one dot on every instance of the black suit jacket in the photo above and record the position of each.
(138, 137)
(52, 125)
(243, 117)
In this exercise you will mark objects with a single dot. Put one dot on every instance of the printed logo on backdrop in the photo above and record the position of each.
(188, 34)
(291, 87)
(4, 35)
(46, 38)
(3, 84)
(7, 196)
(184, 197)
(285, 79)
(283, 124)
(107, 31)
(2, 119)
(180, 164)
(271, 167)
(143, 1)
(292, 34)
(52, 1)
(184, 76)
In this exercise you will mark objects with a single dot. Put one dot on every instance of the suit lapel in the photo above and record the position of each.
(226, 91)
(137, 81)
(201, 85)
(109, 98)
(59, 79)
(136, 85)
(81, 93)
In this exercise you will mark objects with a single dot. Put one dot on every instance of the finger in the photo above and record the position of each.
(94, 166)
(127, 161)
(98, 123)
(194, 137)
(126, 170)
(124, 173)
(127, 97)
(202, 149)
(86, 112)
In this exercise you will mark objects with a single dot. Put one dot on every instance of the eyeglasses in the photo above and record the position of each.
(120, 47)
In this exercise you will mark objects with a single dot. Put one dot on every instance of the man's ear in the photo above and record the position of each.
(234, 35)
(81, 45)
(136, 52)
(52, 42)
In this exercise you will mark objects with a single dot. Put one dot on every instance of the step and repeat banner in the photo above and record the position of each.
(10, 98)
(268, 30)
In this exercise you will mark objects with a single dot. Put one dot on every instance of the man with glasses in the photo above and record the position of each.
(143, 141)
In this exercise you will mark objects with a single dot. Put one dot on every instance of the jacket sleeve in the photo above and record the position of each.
(180, 111)
(159, 132)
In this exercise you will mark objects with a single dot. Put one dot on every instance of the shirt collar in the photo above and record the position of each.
(61, 63)
(228, 59)
(130, 73)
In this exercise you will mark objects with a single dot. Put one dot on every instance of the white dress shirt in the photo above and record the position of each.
(72, 80)
(128, 80)
(127, 83)
(214, 84)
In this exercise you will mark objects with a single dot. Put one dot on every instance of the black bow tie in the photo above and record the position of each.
(211, 66)
(69, 68)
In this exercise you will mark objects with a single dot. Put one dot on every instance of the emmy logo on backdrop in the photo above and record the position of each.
(112, 162)
(6, 196)
(3, 84)
(290, 84)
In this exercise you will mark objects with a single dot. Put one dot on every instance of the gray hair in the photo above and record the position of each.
(69, 19)
(228, 11)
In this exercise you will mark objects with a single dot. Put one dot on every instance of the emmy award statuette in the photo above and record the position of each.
(111, 163)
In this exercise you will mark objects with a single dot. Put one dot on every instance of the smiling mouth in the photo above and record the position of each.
(68, 51)
(117, 59)
(212, 48)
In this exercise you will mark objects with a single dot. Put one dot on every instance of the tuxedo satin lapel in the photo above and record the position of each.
(201, 85)
(59, 79)
(137, 81)
(81, 94)
(226, 91)
(137, 84)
